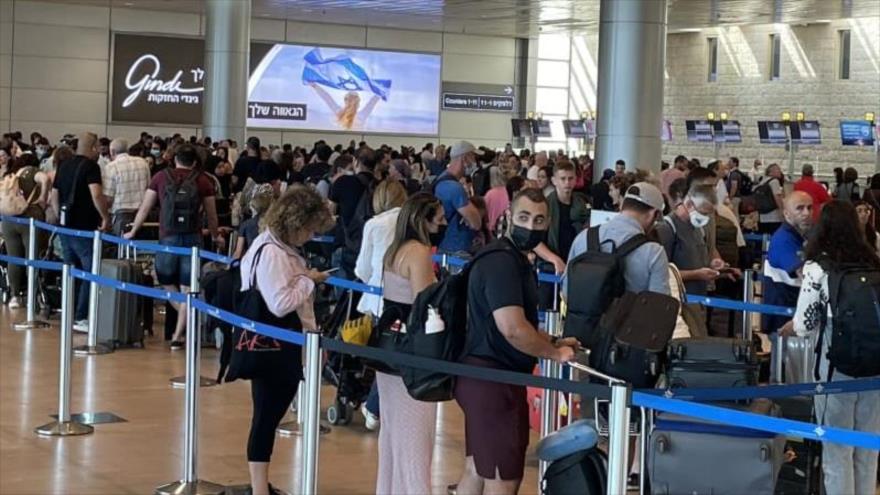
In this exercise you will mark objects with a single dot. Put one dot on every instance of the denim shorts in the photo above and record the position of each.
(174, 269)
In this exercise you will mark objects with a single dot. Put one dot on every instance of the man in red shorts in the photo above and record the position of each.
(502, 334)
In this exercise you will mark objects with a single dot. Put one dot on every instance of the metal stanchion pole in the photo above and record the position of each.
(64, 426)
(643, 450)
(748, 291)
(309, 478)
(92, 346)
(777, 357)
(618, 438)
(191, 484)
(191, 335)
(295, 428)
(549, 369)
(31, 322)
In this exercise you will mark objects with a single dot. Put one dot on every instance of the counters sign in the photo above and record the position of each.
(478, 97)
(157, 79)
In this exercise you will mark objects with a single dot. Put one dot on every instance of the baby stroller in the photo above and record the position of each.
(49, 281)
(348, 374)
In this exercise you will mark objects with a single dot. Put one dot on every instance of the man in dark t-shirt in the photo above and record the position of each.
(346, 191)
(246, 163)
(502, 334)
(77, 195)
(314, 172)
(173, 271)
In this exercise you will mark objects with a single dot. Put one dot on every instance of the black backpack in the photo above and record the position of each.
(745, 184)
(180, 204)
(219, 288)
(854, 297)
(583, 473)
(595, 280)
(449, 298)
(765, 201)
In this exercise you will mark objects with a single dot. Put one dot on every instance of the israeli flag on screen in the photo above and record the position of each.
(341, 72)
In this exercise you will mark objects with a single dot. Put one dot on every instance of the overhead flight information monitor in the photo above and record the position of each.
(521, 127)
(575, 128)
(772, 132)
(728, 131)
(805, 132)
(541, 128)
(856, 133)
(699, 131)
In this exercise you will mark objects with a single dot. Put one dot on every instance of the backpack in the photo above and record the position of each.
(744, 181)
(584, 473)
(12, 200)
(854, 298)
(425, 337)
(594, 280)
(765, 201)
(219, 287)
(180, 204)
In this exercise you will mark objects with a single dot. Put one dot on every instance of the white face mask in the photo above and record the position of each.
(698, 220)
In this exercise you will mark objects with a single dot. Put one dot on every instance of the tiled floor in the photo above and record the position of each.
(146, 451)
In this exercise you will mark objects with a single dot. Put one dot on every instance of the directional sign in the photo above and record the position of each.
(478, 97)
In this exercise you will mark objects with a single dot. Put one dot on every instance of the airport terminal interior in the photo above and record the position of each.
(517, 246)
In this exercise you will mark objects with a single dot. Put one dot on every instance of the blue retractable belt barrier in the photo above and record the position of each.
(759, 422)
(323, 239)
(355, 286)
(767, 309)
(16, 220)
(755, 237)
(291, 336)
(63, 230)
(769, 391)
(140, 290)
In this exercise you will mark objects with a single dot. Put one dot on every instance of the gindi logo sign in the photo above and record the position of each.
(157, 79)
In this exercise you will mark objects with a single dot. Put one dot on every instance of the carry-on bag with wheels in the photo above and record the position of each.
(120, 314)
(711, 362)
(698, 457)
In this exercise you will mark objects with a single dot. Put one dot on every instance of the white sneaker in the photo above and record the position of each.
(14, 303)
(81, 326)
(371, 421)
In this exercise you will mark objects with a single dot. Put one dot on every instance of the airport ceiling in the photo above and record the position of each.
(524, 18)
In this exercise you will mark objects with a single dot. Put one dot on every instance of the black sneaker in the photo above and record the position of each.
(452, 489)
(632, 483)
(177, 345)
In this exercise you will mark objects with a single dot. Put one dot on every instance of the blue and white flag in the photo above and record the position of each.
(341, 72)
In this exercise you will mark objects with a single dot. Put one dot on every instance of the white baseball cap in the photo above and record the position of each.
(462, 148)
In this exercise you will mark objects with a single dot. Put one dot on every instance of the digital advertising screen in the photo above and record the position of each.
(805, 132)
(521, 127)
(541, 128)
(699, 131)
(856, 133)
(574, 128)
(727, 131)
(772, 132)
(345, 89)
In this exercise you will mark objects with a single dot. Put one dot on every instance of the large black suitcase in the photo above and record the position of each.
(711, 362)
(120, 314)
(802, 472)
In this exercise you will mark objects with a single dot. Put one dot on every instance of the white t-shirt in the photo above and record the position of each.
(774, 216)
(532, 174)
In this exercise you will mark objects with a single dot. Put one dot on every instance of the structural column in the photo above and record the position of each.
(227, 49)
(632, 57)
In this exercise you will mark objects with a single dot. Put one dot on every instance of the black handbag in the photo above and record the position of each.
(258, 356)
(389, 334)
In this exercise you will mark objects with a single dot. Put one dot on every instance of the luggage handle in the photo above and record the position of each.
(598, 374)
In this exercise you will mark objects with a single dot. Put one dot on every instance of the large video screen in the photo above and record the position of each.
(344, 89)
(856, 133)
(728, 131)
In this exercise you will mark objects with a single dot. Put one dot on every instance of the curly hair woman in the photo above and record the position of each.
(277, 288)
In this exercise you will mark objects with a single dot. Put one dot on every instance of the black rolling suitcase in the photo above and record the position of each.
(711, 362)
(801, 474)
(120, 321)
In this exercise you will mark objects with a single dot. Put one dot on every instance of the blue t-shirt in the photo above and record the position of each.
(781, 280)
(453, 196)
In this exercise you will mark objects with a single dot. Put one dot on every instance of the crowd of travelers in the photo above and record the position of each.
(389, 210)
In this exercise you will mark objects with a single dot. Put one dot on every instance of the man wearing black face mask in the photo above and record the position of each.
(502, 334)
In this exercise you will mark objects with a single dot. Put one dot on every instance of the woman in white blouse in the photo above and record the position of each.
(388, 197)
(838, 239)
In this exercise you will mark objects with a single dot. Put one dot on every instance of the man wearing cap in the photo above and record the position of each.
(646, 268)
(461, 215)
